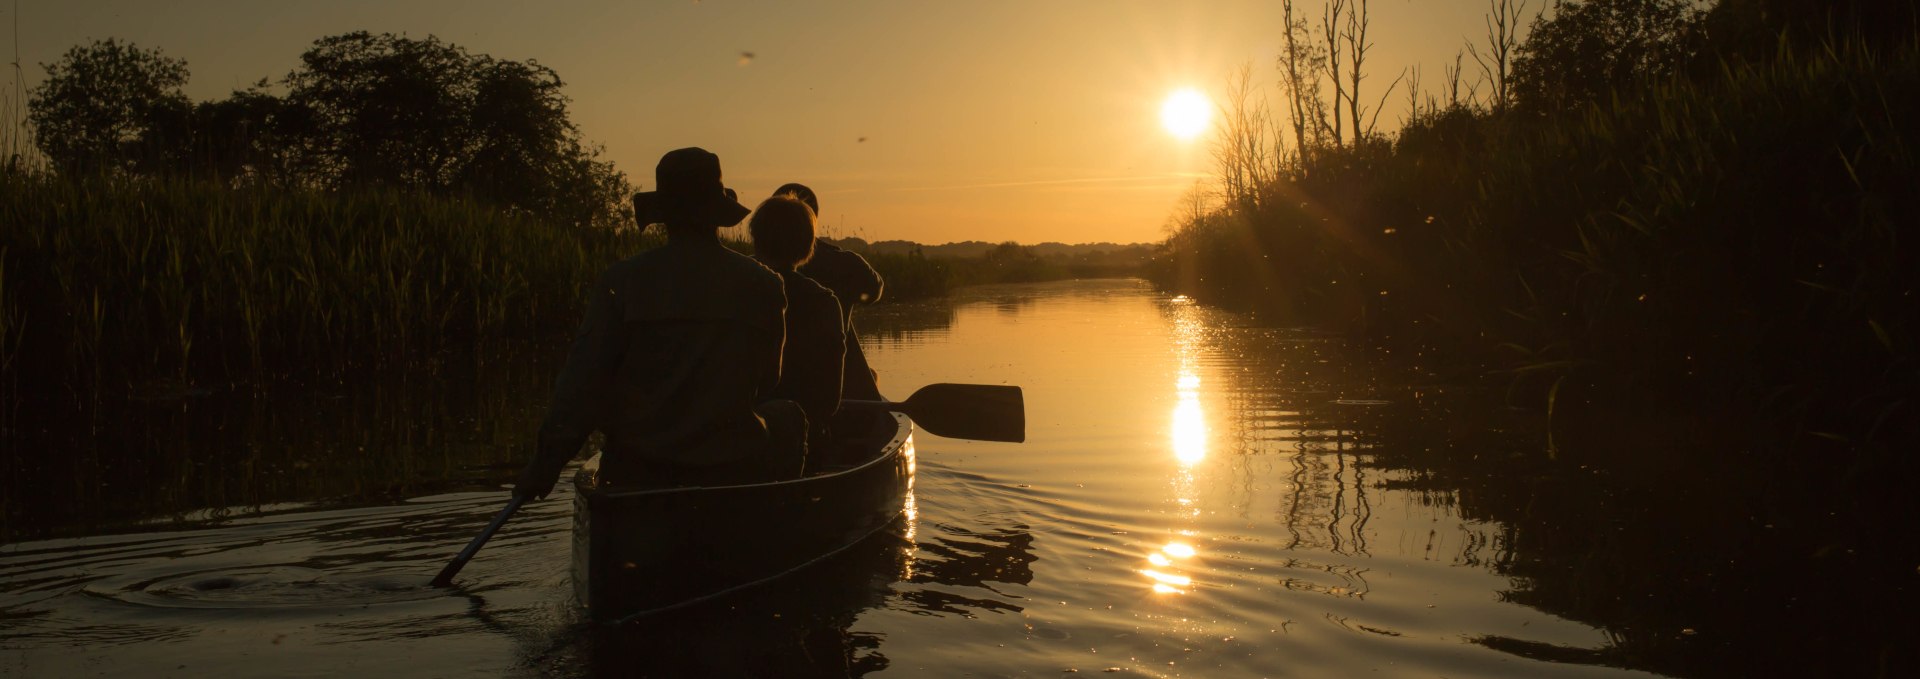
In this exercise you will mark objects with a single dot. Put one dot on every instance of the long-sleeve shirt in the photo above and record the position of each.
(853, 281)
(678, 346)
(811, 364)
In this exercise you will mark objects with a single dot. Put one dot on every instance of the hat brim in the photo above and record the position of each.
(722, 210)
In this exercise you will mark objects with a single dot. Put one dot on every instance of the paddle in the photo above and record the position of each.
(981, 412)
(445, 577)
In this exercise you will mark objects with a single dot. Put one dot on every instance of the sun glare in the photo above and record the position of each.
(1186, 113)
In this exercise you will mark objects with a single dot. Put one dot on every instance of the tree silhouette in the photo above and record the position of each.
(1587, 49)
(387, 110)
(99, 105)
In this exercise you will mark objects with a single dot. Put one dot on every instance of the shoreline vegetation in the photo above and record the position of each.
(392, 202)
(1688, 270)
(145, 286)
(1693, 271)
(1729, 231)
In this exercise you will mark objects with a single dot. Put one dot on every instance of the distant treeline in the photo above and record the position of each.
(915, 271)
(1641, 203)
(1115, 252)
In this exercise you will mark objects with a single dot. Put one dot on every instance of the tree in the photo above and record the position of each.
(1755, 29)
(1503, 40)
(241, 138)
(1300, 81)
(1358, 19)
(98, 108)
(1330, 29)
(387, 110)
(1588, 49)
(1246, 151)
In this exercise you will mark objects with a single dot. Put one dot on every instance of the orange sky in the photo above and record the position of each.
(988, 120)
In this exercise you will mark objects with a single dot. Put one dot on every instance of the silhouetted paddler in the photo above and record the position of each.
(811, 365)
(854, 282)
(680, 347)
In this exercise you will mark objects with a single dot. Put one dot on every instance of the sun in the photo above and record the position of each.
(1186, 113)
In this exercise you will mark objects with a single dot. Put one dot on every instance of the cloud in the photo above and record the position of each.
(1183, 177)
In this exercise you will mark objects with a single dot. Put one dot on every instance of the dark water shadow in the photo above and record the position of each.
(805, 624)
(179, 459)
(798, 626)
(1647, 527)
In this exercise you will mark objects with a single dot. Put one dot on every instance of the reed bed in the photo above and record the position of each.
(108, 282)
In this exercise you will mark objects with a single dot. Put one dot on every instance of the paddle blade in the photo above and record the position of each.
(981, 412)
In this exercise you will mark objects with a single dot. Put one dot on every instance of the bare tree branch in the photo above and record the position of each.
(1330, 28)
(1375, 120)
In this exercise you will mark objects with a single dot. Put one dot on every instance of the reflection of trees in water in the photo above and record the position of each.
(892, 325)
(1280, 406)
(1325, 455)
(1685, 571)
(974, 558)
(971, 559)
(907, 323)
(108, 464)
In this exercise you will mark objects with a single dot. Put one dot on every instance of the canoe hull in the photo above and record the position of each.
(643, 551)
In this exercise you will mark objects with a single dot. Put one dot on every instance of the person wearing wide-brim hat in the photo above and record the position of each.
(680, 347)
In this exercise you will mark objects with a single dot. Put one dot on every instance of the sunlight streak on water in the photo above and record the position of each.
(1166, 576)
(1189, 430)
(1190, 438)
(1189, 419)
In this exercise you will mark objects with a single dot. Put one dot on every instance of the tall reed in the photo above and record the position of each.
(106, 282)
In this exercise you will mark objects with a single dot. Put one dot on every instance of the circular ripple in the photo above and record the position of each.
(276, 587)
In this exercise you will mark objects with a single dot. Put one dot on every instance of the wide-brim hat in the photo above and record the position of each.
(687, 191)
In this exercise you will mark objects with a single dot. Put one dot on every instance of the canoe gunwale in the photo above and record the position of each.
(593, 534)
(902, 430)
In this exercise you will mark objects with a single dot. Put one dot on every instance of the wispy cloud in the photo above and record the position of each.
(1140, 179)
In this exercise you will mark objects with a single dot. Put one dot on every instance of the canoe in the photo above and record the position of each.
(637, 552)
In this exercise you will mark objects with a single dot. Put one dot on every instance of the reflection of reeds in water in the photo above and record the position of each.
(206, 456)
(1302, 412)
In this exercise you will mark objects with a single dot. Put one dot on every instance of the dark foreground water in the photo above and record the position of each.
(1197, 498)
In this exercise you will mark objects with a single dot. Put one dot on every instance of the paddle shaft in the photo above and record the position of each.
(460, 561)
(877, 405)
(981, 412)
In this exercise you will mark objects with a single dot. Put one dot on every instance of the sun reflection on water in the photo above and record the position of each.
(1189, 419)
(1190, 436)
(1166, 575)
(1189, 430)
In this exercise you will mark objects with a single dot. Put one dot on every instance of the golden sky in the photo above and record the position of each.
(993, 120)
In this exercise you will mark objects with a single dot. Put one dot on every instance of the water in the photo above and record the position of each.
(1197, 497)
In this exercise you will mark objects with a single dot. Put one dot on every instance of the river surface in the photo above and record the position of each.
(1197, 497)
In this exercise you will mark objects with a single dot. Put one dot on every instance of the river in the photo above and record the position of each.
(1198, 497)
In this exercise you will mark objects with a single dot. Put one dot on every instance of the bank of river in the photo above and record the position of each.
(1197, 497)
